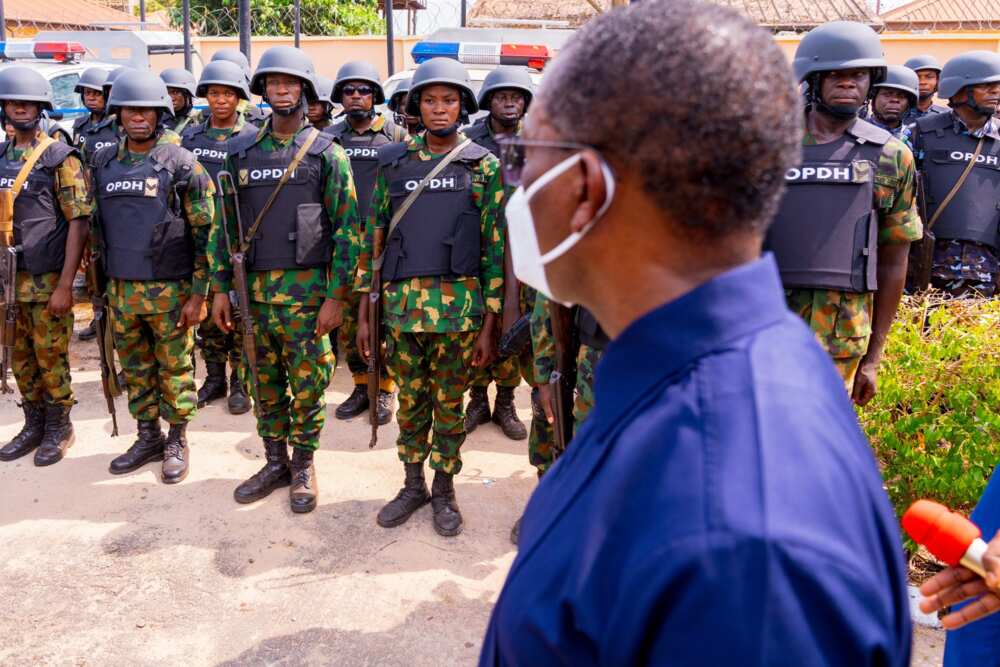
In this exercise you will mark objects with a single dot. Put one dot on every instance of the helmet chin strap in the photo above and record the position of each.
(359, 114)
(446, 132)
(970, 101)
(838, 111)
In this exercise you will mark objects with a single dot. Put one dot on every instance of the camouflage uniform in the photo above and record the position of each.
(155, 353)
(293, 364)
(178, 124)
(842, 321)
(433, 322)
(962, 267)
(544, 364)
(40, 358)
(251, 113)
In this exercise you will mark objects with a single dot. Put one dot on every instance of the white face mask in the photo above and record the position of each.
(526, 256)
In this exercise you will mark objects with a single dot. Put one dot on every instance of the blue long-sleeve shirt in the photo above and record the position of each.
(719, 507)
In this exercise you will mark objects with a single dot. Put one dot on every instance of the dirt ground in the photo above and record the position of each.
(103, 570)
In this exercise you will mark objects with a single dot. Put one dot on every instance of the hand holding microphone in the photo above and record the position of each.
(975, 565)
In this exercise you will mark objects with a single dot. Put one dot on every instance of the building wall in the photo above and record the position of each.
(901, 46)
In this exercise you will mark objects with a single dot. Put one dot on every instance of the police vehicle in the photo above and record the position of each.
(59, 62)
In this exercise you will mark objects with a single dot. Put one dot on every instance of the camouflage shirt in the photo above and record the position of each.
(75, 201)
(956, 260)
(842, 320)
(180, 123)
(304, 287)
(148, 297)
(435, 304)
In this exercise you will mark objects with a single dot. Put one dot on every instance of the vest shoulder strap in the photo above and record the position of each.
(243, 142)
(56, 153)
(104, 155)
(320, 144)
(179, 162)
(933, 122)
(80, 122)
(473, 153)
(391, 153)
(476, 131)
(337, 130)
(869, 133)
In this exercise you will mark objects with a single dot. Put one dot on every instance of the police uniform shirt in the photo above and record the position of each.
(720, 505)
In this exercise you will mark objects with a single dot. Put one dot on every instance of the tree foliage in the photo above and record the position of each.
(276, 17)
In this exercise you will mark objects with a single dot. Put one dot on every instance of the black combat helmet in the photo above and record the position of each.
(286, 60)
(223, 73)
(968, 69)
(926, 61)
(397, 95)
(324, 89)
(134, 88)
(839, 45)
(110, 80)
(25, 84)
(904, 79)
(441, 72)
(358, 70)
(93, 78)
(178, 77)
(506, 78)
(236, 57)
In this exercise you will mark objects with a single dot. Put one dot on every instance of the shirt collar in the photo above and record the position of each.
(726, 308)
(991, 128)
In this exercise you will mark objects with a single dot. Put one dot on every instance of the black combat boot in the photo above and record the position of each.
(147, 447)
(410, 498)
(31, 435)
(447, 516)
(176, 455)
(214, 386)
(305, 487)
(239, 402)
(386, 404)
(88, 333)
(355, 404)
(505, 416)
(478, 410)
(58, 435)
(274, 475)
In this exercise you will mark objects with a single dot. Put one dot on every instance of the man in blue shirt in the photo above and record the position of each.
(720, 506)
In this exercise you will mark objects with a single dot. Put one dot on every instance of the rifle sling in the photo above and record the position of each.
(245, 243)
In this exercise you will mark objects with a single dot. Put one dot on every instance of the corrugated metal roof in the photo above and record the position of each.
(945, 15)
(776, 15)
(62, 12)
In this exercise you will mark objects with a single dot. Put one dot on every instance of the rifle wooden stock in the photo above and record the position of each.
(105, 340)
(375, 361)
(8, 277)
(563, 379)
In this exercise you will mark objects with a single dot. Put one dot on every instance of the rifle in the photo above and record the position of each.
(563, 379)
(375, 362)
(921, 259)
(105, 341)
(239, 296)
(8, 277)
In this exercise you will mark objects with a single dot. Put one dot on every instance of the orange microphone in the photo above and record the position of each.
(948, 535)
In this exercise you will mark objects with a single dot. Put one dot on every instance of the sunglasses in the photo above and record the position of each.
(514, 154)
(360, 90)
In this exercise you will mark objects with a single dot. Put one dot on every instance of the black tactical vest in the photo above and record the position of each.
(209, 152)
(145, 234)
(40, 228)
(440, 234)
(974, 212)
(90, 137)
(825, 235)
(298, 208)
(362, 149)
(591, 333)
(479, 133)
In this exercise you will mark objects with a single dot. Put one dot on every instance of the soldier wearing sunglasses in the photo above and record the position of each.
(362, 131)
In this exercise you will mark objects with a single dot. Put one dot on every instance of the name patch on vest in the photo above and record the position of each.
(98, 145)
(854, 172)
(964, 157)
(363, 153)
(133, 186)
(257, 176)
(453, 183)
(210, 154)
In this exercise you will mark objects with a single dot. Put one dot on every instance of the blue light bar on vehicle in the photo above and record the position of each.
(483, 53)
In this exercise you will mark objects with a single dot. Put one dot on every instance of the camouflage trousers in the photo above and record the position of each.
(294, 367)
(156, 357)
(504, 372)
(961, 287)
(40, 358)
(346, 345)
(432, 372)
(218, 347)
(541, 441)
(586, 362)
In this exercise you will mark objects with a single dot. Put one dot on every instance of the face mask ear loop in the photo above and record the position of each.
(572, 239)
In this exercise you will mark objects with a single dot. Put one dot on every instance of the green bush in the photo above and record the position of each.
(935, 422)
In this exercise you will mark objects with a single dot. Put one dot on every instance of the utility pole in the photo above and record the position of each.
(142, 14)
(244, 19)
(389, 38)
(463, 12)
(186, 11)
(298, 22)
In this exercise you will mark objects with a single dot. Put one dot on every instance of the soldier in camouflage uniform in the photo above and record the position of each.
(397, 105)
(155, 208)
(506, 93)
(362, 132)
(299, 271)
(442, 285)
(181, 85)
(51, 215)
(320, 112)
(223, 86)
(967, 232)
(855, 189)
(250, 112)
